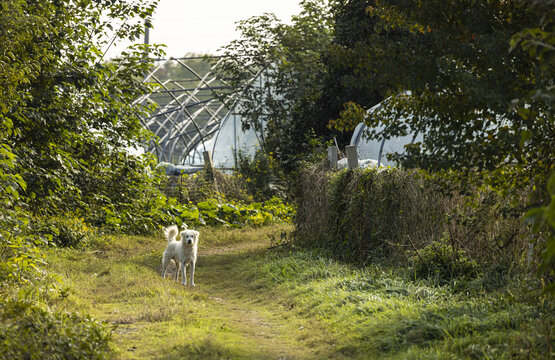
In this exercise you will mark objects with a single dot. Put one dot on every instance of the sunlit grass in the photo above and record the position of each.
(251, 303)
(119, 282)
(379, 313)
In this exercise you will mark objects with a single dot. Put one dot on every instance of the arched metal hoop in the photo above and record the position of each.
(191, 105)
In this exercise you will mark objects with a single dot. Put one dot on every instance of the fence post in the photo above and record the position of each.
(208, 164)
(332, 157)
(352, 156)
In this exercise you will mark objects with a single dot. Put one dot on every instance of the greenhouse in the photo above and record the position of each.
(196, 112)
(378, 149)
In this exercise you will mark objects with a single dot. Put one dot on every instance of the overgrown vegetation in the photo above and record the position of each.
(474, 78)
(252, 303)
(446, 231)
(481, 80)
(30, 331)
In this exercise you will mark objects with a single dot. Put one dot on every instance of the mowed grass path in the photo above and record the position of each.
(230, 314)
(254, 303)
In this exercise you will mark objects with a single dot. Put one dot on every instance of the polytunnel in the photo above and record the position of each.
(196, 111)
(378, 149)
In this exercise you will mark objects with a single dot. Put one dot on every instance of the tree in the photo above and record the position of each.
(345, 84)
(539, 42)
(455, 58)
(69, 116)
(72, 113)
(286, 59)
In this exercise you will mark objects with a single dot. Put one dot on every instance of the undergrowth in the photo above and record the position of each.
(31, 331)
(411, 217)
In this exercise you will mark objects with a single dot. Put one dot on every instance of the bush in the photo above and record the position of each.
(28, 331)
(261, 175)
(366, 216)
(63, 231)
(440, 261)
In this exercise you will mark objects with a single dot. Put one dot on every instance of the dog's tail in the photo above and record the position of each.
(171, 233)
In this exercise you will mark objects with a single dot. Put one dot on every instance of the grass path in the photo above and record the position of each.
(253, 303)
(227, 315)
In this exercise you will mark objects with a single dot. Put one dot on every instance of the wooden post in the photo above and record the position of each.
(208, 164)
(332, 157)
(352, 157)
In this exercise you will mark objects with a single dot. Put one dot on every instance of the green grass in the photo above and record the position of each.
(222, 317)
(379, 313)
(254, 303)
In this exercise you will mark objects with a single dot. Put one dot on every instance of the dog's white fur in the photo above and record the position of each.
(182, 250)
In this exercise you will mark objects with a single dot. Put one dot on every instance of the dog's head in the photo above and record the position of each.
(189, 237)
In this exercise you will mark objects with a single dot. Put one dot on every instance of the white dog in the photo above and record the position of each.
(183, 251)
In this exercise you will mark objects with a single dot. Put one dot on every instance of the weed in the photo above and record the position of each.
(439, 260)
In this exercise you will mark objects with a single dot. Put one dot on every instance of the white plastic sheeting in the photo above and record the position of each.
(377, 149)
(231, 140)
(192, 105)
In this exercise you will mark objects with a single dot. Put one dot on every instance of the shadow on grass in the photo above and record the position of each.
(207, 350)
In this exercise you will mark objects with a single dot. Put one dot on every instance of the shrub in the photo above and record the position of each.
(63, 231)
(366, 216)
(440, 261)
(29, 331)
(261, 174)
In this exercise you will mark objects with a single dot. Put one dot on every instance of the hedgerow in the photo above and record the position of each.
(413, 218)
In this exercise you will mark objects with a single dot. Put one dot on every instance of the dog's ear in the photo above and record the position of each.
(196, 234)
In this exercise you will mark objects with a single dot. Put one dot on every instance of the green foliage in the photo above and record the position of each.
(542, 220)
(232, 214)
(351, 115)
(20, 260)
(457, 61)
(63, 231)
(539, 42)
(440, 261)
(67, 119)
(73, 116)
(28, 331)
(261, 174)
(282, 105)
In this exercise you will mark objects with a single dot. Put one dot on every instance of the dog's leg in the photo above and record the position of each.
(176, 270)
(164, 266)
(184, 281)
(192, 273)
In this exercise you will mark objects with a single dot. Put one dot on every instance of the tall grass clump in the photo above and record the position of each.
(408, 217)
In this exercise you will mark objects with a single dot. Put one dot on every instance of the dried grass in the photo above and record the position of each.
(363, 216)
